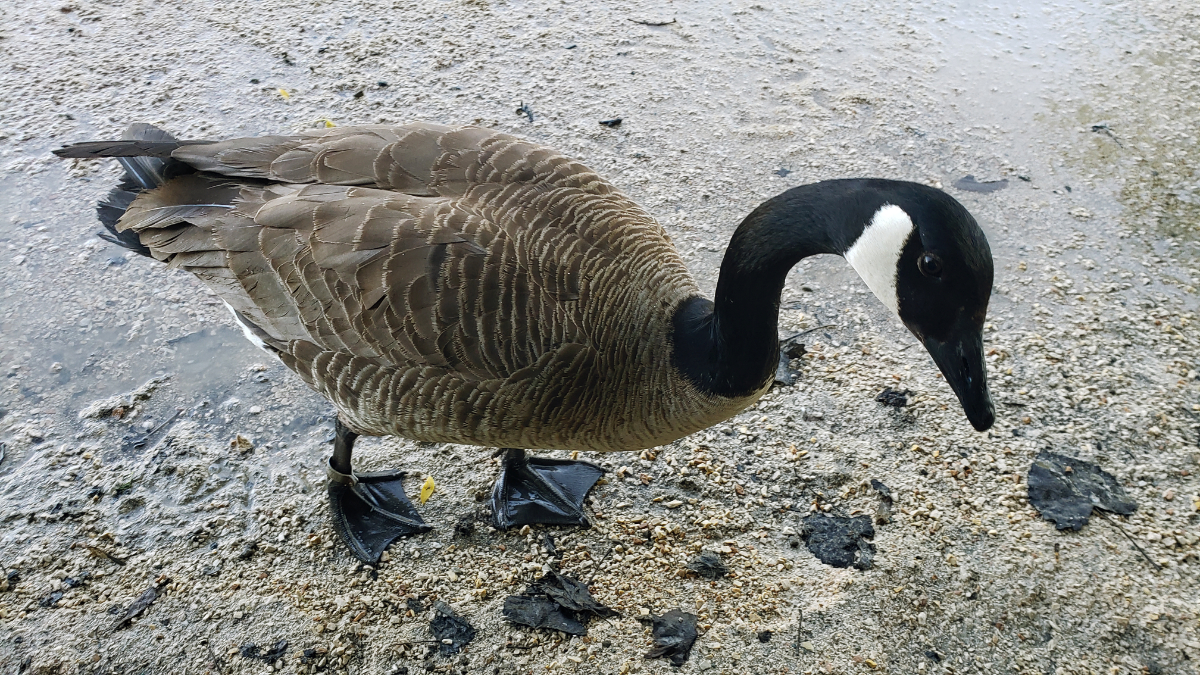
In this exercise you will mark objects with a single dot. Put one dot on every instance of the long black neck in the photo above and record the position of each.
(730, 347)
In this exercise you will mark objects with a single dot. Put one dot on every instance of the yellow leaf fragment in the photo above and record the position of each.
(427, 489)
(284, 94)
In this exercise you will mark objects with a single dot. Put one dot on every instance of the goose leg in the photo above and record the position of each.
(539, 490)
(370, 510)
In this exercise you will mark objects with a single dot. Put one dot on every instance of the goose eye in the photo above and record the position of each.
(930, 265)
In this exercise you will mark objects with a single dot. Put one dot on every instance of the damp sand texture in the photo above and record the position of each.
(162, 481)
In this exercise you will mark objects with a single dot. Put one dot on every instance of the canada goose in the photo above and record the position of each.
(455, 284)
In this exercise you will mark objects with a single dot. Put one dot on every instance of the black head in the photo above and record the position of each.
(925, 256)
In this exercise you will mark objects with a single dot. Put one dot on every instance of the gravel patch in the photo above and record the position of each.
(148, 448)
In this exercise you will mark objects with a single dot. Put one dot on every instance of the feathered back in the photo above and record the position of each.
(441, 283)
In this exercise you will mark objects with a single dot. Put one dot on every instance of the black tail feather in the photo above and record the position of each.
(111, 208)
(125, 148)
(145, 153)
(150, 171)
(139, 140)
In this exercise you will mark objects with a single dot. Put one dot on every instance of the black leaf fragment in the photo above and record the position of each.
(558, 602)
(72, 582)
(893, 397)
(883, 490)
(51, 600)
(1066, 489)
(674, 634)
(446, 625)
(840, 541)
(789, 348)
(539, 611)
(138, 606)
(883, 512)
(708, 565)
(252, 651)
(573, 595)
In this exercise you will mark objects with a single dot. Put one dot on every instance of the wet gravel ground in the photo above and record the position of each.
(147, 446)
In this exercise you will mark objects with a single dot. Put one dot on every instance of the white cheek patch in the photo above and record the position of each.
(876, 252)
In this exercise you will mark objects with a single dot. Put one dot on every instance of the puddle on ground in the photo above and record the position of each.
(71, 334)
(1139, 123)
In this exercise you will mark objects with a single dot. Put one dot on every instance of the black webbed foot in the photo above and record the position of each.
(541, 491)
(370, 510)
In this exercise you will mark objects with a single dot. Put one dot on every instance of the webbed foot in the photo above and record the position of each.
(370, 511)
(541, 491)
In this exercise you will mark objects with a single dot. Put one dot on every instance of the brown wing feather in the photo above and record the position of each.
(440, 283)
(419, 159)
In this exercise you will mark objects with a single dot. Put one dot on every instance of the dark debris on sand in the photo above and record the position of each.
(893, 397)
(674, 634)
(840, 541)
(253, 651)
(1066, 489)
(708, 565)
(558, 602)
(969, 184)
(138, 606)
(451, 630)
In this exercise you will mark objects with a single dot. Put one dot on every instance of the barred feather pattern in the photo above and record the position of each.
(446, 284)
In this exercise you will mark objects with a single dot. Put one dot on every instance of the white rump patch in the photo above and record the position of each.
(254, 339)
(876, 252)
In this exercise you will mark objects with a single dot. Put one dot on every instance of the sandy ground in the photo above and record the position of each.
(1088, 109)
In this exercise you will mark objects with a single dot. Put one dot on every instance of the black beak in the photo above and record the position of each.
(960, 359)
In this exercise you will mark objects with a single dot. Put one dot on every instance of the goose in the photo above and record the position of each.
(456, 284)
